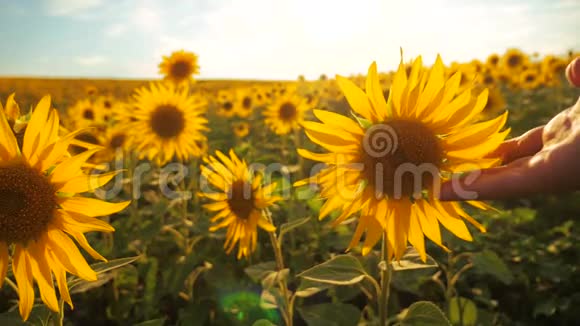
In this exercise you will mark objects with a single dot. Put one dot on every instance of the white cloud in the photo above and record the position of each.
(115, 30)
(70, 7)
(94, 60)
(146, 17)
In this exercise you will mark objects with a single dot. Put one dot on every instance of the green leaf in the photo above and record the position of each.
(424, 313)
(263, 322)
(287, 227)
(462, 311)
(259, 271)
(100, 269)
(152, 322)
(330, 314)
(546, 308)
(273, 278)
(488, 262)
(309, 288)
(340, 270)
(412, 260)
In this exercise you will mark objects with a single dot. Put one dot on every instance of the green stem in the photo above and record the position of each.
(282, 284)
(385, 282)
(131, 166)
(60, 321)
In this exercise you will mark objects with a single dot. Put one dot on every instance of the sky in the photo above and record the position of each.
(270, 39)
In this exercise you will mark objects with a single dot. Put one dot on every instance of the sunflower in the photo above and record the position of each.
(168, 122)
(530, 79)
(426, 127)
(241, 129)
(514, 60)
(286, 113)
(179, 67)
(40, 210)
(84, 113)
(495, 103)
(91, 90)
(492, 60)
(226, 105)
(115, 142)
(244, 103)
(239, 202)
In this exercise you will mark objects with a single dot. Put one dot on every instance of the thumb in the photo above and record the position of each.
(573, 72)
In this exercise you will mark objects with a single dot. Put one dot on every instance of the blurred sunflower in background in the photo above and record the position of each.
(286, 112)
(40, 210)
(167, 123)
(495, 103)
(426, 124)
(84, 113)
(513, 61)
(239, 201)
(530, 79)
(179, 67)
(226, 106)
(492, 60)
(245, 103)
(241, 129)
(114, 142)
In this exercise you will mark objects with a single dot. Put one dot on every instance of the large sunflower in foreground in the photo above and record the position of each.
(167, 122)
(239, 202)
(287, 112)
(388, 165)
(40, 211)
(179, 67)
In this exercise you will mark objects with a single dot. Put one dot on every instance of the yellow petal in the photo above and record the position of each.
(42, 274)
(338, 121)
(60, 275)
(70, 167)
(84, 183)
(8, 145)
(23, 274)
(375, 93)
(357, 99)
(36, 124)
(416, 237)
(4, 259)
(91, 207)
(69, 255)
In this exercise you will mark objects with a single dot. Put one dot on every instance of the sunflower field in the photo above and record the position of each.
(225, 202)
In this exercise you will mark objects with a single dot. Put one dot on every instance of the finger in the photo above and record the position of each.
(495, 183)
(527, 144)
(547, 172)
(573, 72)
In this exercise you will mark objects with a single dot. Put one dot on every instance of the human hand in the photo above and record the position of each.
(543, 160)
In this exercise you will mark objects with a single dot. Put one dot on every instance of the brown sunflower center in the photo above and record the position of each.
(241, 200)
(494, 60)
(27, 203)
(228, 106)
(108, 104)
(287, 111)
(514, 61)
(88, 114)
(117, 141)
(247, 103)
(401, 158)
(530, 77)
(167, 121)
(180, 70)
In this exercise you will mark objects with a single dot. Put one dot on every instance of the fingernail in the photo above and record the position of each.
(573, 72)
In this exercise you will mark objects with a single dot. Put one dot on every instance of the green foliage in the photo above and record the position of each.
(330, 314)
(423, 313)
